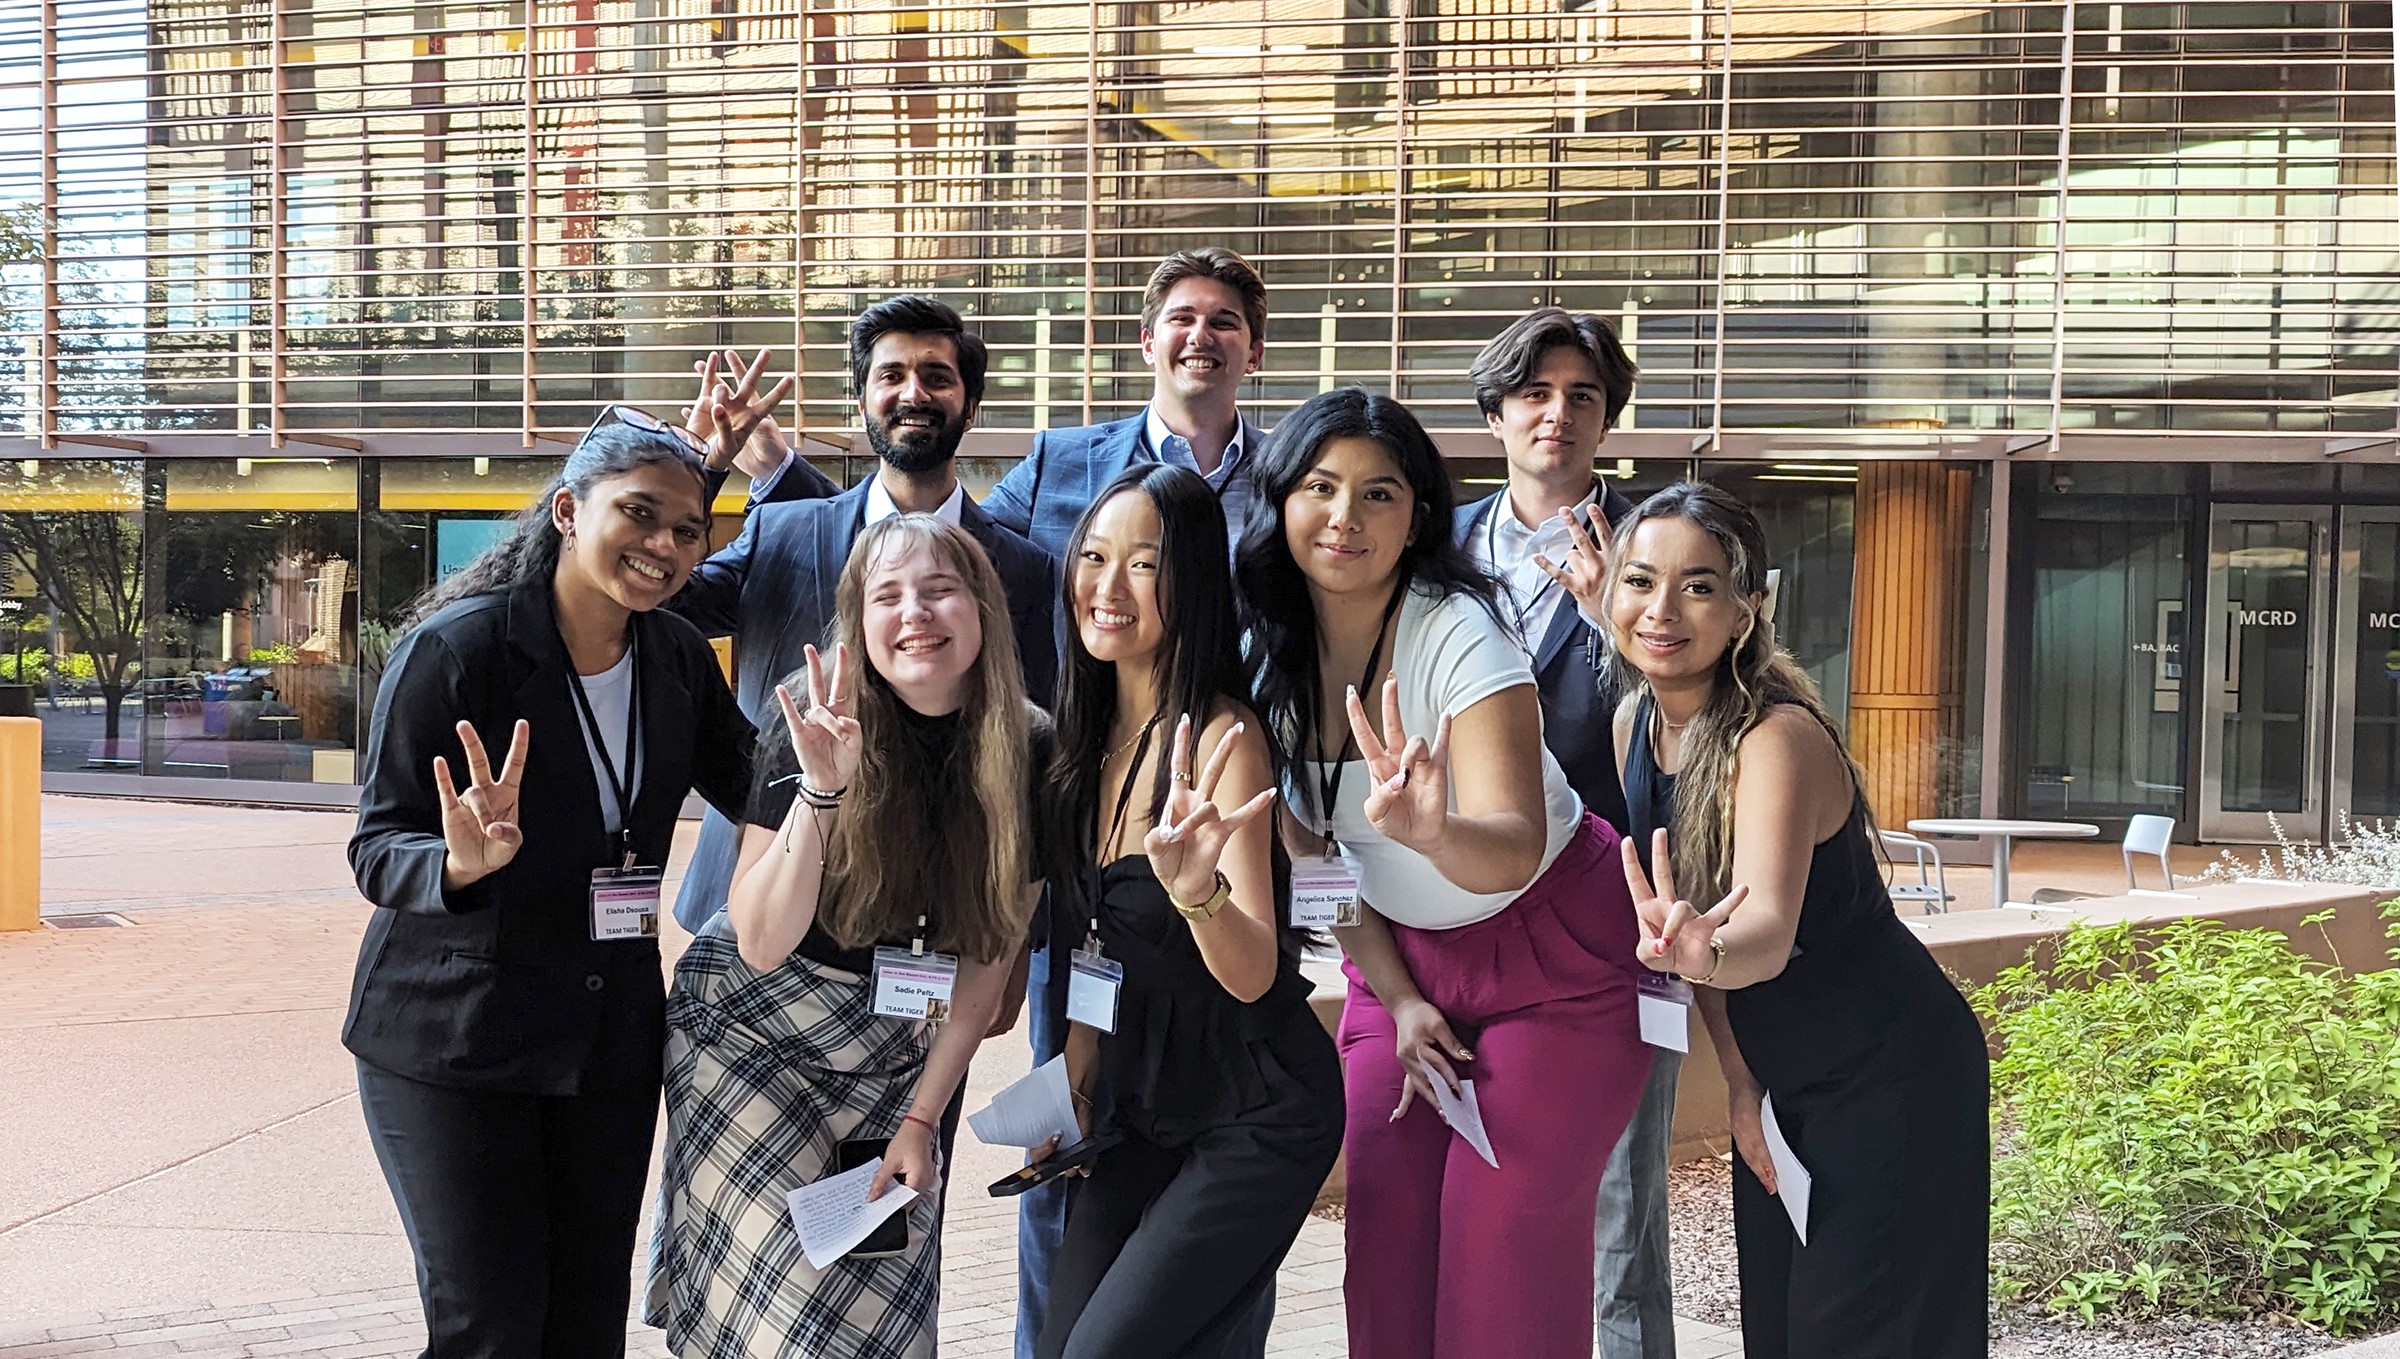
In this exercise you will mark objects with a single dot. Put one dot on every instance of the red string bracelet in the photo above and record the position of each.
(912, 1118)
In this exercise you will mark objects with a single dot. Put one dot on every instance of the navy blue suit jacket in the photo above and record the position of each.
(1570, 667)
(1043, 495)
(772, 590)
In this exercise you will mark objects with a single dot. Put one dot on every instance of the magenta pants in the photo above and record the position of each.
(1447, 1256)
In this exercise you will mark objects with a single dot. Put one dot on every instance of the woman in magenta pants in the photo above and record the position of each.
(1488, 932)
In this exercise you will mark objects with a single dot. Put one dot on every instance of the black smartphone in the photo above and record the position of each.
(1076, 1157)
(890, 1237)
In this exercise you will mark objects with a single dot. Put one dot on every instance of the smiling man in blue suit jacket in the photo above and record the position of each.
(919, 374)
(1204, 324)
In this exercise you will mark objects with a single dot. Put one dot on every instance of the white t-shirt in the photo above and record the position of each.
(611, 695)
(1450, 654)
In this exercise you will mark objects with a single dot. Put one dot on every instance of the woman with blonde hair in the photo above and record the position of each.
(887, 832)
(1832, 1023)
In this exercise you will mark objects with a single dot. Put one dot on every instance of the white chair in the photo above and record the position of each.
(1931, 890)
(2149, 835)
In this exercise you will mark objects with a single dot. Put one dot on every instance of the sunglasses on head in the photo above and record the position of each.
(643, 420)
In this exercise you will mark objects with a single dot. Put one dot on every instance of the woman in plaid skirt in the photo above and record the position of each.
(886, 829)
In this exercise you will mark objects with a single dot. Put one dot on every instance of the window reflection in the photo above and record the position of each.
(70, 557)
(251, 640)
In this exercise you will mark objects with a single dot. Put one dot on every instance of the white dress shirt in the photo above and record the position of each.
(880, 506)
(1507, 546)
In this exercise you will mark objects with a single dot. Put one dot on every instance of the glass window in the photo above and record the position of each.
(71, 560)
(2105, 545)
(251, 640)
(1806, 509)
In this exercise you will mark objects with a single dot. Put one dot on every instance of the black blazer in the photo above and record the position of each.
(1570, 667)
(773, 589)
(499, 986)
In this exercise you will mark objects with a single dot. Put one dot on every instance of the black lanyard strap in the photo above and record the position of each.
(622, 788)
(1329, 772)
(1116, 825)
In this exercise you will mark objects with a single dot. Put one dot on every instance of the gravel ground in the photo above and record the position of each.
(1700, 1212)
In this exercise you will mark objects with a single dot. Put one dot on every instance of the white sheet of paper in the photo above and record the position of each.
(1030, 1110)
(1791, 1177)
(1465, 1118)
(833, 1214)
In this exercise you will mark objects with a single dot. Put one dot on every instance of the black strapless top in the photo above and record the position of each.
(1186, 1055)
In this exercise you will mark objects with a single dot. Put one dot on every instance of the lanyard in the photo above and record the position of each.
(1491, 553)
(621, 788)
(1329, 773)
(1116, 827)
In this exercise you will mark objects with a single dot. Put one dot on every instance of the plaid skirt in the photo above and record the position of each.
(765, 1073)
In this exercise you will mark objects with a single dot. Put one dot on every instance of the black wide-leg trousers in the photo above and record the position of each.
(521, 1210)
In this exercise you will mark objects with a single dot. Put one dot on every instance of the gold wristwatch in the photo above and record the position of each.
(1208, 909)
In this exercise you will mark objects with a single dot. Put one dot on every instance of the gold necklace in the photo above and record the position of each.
(1127, 743)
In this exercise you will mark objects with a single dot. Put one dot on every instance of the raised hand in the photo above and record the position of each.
(1674, 936)
(1584, 574)
(479, 827)
(729, 410)
(1192, 832)
(826, 737)
(1408, 793)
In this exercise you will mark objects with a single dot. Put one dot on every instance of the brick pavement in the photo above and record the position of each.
(188, 1176)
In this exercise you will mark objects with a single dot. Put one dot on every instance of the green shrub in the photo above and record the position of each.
(2197, 1119)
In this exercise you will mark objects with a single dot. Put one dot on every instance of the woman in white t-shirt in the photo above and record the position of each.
(1493, 939)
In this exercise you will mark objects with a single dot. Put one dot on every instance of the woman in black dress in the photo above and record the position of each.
(1822, 1005)
(1222, 1085)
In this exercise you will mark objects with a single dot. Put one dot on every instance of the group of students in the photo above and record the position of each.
(1116, 745)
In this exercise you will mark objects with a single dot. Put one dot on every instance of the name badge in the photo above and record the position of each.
(625, 903)
(1092, 990)
(1325, 893)
(911, 985)
(1665, 1006)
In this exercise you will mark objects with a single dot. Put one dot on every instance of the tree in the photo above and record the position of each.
(88, 565)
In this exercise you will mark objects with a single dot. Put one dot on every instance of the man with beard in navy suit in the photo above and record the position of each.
(919, 374)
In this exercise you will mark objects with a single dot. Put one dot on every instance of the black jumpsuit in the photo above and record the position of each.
(1882, 1086)
(1231, 1115)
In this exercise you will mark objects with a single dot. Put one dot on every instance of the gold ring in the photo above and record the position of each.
(1183, 778)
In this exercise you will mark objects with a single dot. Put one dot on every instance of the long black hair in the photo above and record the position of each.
(1199, 661)
(530, 552)
(1276, 606)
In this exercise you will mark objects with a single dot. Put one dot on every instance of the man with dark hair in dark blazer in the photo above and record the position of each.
(1551, 386)
(919, 374)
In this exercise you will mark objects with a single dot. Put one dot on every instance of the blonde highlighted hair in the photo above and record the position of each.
(923, 832)
(1753, 676)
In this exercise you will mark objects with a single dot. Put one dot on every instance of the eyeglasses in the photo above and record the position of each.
(643, 420)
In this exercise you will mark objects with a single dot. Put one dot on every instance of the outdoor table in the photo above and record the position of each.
(2000, 833)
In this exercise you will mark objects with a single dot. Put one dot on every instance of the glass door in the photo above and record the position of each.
(2263, 694)
(2366, 666)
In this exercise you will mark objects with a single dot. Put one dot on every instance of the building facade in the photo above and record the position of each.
(2055, 343)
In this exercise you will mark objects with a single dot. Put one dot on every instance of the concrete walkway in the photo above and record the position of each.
(186, 1172)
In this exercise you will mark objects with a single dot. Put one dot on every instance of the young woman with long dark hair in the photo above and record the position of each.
(1493, 944)
(507, 1012)
(889, 827)
(1818, 1000)
(1216, 1076)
